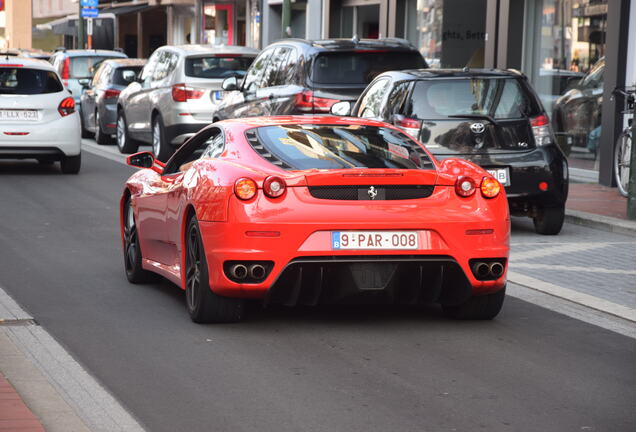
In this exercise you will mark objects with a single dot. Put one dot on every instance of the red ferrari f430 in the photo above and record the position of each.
(308, 210)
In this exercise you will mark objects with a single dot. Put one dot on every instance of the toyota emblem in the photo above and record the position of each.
(373, 192)
(477, 128)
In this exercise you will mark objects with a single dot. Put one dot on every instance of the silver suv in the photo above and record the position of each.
(175, 95)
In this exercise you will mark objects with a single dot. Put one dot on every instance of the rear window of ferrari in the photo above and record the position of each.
(309, 146)
(24, 81)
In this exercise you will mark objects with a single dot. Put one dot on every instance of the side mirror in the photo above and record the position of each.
(230, 84)
(84, 82)
(342, 108)
(141, 160)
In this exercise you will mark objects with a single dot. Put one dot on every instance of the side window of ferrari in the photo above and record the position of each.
(215, 146)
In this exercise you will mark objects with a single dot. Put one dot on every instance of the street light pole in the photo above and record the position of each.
(631, 199)
(286, 19)
(80, 28)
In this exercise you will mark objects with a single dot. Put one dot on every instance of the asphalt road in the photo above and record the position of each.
(323, 369)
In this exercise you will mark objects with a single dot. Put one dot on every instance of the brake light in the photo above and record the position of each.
(465, 186)
(245, 188)
(66, 71)
(274, 186)
(181, 93)
(66, 107)
(490, 187)
(111, 94)
(541, 130)
(307, 102)
(409, 125)
(11, 65)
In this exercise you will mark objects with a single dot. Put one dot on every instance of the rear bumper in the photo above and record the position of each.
(108, 118)
(304, 268)
(58, 138)
(527, 170)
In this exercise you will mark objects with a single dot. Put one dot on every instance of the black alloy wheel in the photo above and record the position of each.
(204, 306)
(549, 220)
(132, 252)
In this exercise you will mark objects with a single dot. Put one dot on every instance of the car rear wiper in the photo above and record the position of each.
(476, 117)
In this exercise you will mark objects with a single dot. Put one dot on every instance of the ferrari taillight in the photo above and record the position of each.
(245, 188)
(274, 186)
(490, 187)
(465, 186)
(66, 107)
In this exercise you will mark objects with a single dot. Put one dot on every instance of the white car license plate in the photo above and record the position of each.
(18, 115)
(374, 240)
(501, 174)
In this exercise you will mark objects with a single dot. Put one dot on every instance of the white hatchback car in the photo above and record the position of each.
(38, 119)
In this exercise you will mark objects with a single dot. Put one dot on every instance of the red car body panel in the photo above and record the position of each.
(299, 225)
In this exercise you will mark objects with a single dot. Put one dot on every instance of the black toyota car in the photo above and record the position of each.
(490, 117)
(298, 76)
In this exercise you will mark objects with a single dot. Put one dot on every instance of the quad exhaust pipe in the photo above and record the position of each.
(238, 271)
(488, 271)
(248, 272)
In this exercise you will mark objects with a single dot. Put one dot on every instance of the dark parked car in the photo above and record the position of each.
(490, 117)
(75, 67)
(577, 113)
(553, 83)
(297, 76)
(99, 115)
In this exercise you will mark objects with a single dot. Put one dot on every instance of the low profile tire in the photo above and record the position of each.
(483, 307)
(100, 137)
(85, 132)
(549, 220)
(125, 143)
(71, 164)
(204, 306)
(132, 252)
(160, 146)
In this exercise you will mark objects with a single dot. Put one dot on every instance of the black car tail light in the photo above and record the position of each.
(409, 125)
(541, 130)
(306, 102)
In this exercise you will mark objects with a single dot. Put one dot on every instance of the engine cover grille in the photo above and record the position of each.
(371, 193)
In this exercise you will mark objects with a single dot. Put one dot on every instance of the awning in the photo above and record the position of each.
(121, 10)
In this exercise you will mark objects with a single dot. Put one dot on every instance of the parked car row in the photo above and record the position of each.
(493, 118)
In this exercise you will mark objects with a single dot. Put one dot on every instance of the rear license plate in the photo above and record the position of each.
(18, 115)
(501, 174)
(390, 240)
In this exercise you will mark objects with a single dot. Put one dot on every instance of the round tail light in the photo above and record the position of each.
(465, 186)
(490, 187)
(245, 188)
(274, 186)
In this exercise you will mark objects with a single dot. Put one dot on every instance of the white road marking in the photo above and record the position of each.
(571, 309)
(590, 301)
(88, 398)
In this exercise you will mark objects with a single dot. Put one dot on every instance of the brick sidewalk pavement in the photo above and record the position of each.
(14, 414)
